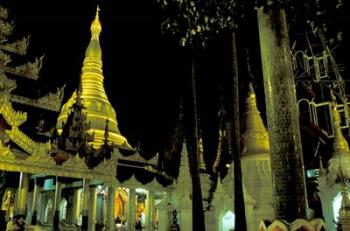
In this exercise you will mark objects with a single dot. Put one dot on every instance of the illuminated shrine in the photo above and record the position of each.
(83, 174)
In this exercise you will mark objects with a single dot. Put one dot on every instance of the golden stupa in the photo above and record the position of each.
(93, 95)
(256, 138)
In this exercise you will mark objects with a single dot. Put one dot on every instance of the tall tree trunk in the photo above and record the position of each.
(197, 202)
(238, 193)
(282, 117)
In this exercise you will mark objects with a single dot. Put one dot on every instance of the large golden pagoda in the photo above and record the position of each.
(95, 100)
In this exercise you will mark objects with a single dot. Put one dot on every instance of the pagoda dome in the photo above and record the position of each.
(97, 106)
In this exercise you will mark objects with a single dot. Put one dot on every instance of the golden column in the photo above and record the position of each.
(36, 192)
(104, 209)
(86, 184)
(22, 194)
(282, 116)
(56, 218)
(131, 209)
(76, 205)
(110, 207)
(150, 208)
(92, 209)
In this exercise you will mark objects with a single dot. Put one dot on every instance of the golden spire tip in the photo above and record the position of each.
(251, 88)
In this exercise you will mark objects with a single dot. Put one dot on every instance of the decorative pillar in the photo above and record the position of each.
(104, 210)
(56, 217)
(70, 202)
(92, 209)
(110, 208)
(164, 209)
(282, 116)
(36, 192)
(76, 206)
(150, 215)
(131, 211)
(84, 225)
(22, 194)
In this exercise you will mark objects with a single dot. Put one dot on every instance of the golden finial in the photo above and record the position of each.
(96, 25)
(340, 145)
(251, 89)
(256, 138)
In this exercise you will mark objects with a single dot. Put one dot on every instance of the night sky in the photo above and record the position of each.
(146, 72)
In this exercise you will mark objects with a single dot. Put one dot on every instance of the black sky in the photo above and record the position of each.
(146, 72)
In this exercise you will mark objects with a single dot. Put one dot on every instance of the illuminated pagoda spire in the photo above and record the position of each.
(339, 167)
(93, 95)
(340, 145)
(184, 179)
(341, 154)
(256, 164)
(256, 138)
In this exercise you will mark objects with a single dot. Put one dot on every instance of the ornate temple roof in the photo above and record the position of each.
(95, 100)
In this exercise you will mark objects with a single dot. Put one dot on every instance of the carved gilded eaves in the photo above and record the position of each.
(5, 152)
(27, 144)
(51, 101)
(42, 163)
(6, 85)
(4, 58)
(41, 157)
(29, 70)
(12, 117)
(4, 13)
(6, 28)
(17, 47)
